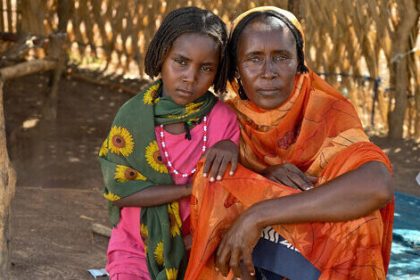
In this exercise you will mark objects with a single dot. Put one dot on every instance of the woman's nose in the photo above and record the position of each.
(269, 70)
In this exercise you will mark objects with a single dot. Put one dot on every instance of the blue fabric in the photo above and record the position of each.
(405, 254)
(278, 259)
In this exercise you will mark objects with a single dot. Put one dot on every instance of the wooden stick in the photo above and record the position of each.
(104, 83)
(26, 68)
(101, 230)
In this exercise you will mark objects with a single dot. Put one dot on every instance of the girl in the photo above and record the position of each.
(155, 142)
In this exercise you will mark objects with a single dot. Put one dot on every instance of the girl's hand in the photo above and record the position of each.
(235, 249)
(289, 175)
(188, 242)
(217, 159)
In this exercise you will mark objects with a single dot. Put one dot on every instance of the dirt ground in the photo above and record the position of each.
(58, 192)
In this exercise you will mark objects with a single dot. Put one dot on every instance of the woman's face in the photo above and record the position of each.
(190, 67)
(267, 62)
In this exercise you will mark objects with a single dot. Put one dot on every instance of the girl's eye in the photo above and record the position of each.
(206, 68)
(180, 61)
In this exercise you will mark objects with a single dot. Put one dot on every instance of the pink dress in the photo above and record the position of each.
(126, 258)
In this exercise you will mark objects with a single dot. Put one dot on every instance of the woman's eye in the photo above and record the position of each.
(278, 58)
(255, 59)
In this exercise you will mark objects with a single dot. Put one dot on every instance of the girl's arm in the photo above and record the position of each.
(350, 196)
(155, 195)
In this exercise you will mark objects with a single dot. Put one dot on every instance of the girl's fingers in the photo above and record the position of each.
(222, 169)
(215, 167)
(234, 165)
(208, 163)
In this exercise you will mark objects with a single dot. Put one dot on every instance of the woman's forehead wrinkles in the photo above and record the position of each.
(266, 24)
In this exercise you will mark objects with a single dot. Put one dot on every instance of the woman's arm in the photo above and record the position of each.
(155, 195)
(350, 196)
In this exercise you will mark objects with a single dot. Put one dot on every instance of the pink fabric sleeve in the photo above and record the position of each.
(223, 124)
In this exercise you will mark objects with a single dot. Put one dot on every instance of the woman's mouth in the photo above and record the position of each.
(268, 91)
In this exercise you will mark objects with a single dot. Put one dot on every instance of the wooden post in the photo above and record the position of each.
(56, 51)
(7, 172)
(399, 68)
(7, 192)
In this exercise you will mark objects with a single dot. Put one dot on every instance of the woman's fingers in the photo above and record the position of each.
(285, 180)
(298, 177)
(249, 265)
(301, 183)
(234, 262)
(311, 178)
(222, 258)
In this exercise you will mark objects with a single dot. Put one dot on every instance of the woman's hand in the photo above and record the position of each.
(235, 249)
(217, 159)
(289, 175)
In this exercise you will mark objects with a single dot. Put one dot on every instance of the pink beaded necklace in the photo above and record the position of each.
(169, 163)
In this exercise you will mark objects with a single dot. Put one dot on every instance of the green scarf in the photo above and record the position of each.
(131, 162)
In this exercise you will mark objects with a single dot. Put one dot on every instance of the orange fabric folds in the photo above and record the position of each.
(357, 249)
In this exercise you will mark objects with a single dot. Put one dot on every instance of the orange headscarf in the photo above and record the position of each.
(319, 131)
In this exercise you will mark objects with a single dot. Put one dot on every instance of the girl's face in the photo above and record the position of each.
(267, 62)
(190, 67)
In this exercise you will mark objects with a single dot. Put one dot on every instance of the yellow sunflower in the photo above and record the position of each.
(104, 148)
(171, 273)
(144, 232)
(121, 141)
(149, 97)
(174, 218)
(159, 253)
(125, 174)
(154, 158)
(192, 107)
(111, 196)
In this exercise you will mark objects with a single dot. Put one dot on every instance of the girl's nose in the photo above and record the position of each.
(190, 75)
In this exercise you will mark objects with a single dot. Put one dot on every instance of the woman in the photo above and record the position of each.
(323, 204)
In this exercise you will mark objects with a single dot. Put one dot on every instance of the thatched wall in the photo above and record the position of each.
(366, 48)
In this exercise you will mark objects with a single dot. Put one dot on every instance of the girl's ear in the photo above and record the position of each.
(236, 75)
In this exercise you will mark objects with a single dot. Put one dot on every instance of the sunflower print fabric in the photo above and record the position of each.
(131, 162)
(154, 159)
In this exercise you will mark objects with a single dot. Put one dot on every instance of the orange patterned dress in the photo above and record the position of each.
(319, 131)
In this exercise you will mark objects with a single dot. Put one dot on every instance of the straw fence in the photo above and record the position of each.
(365, 48)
